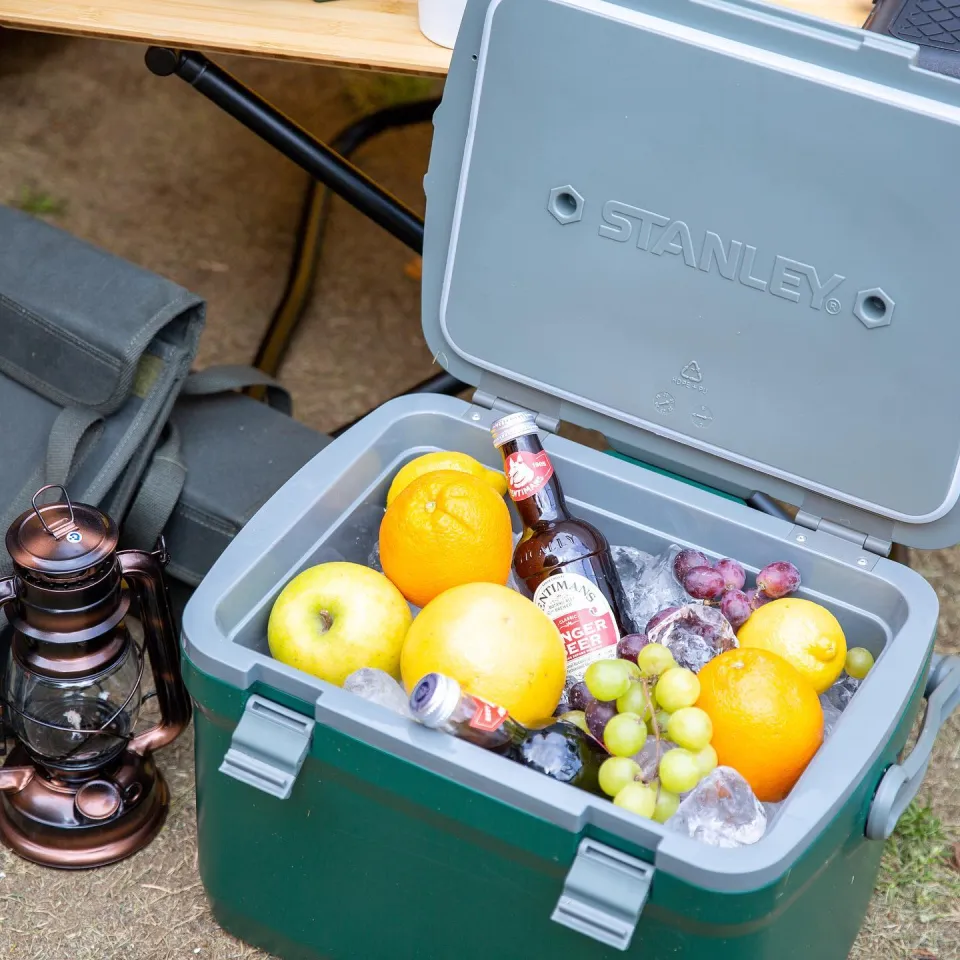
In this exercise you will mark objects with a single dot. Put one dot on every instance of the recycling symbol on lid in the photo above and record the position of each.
(692, 372)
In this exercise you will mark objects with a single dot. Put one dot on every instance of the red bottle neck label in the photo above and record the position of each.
(487, 717)
(527, 473)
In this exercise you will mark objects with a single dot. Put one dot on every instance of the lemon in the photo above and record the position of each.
(805, 634)
(445, 460)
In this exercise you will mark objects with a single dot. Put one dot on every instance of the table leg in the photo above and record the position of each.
(291, 140)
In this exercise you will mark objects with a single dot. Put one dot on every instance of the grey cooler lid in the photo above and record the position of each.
(723, 234)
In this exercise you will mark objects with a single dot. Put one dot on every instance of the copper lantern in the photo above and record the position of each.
(80, 788)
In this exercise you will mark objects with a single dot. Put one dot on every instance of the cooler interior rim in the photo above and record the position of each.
(295, 527)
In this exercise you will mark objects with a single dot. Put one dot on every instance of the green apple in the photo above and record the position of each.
(334, 618)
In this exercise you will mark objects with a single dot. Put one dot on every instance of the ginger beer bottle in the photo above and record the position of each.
(563, 563)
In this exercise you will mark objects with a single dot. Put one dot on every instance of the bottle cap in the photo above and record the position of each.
(434, 699)
(513, 426)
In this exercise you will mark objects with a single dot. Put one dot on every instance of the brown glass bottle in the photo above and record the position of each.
(563, 563)
(559, 750)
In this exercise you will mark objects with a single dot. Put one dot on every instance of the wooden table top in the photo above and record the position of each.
(370, 34)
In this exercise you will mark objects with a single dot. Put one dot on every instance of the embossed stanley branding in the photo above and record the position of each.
(733, 260)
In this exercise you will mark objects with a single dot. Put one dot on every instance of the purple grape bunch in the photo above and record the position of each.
(723, 582)
(735, 606)
(778, 579)
(734, 576)
(630, 645)
(686, 560)
(598, 714)
(757, 598)
(579, 696)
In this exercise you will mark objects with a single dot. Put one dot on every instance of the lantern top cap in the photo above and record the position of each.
(61, 538)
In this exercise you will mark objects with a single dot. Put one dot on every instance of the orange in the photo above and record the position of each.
(445, 460)
(495, 643)
(803, 633)
(444, 529)
(767, 719)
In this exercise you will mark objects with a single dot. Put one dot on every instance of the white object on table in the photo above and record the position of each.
(440, 20)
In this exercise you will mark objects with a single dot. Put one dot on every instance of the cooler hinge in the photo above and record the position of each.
(502, 407)
(604, 894)
(870, 544)
(268, 747)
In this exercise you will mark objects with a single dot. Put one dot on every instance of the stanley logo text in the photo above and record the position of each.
(732, 259)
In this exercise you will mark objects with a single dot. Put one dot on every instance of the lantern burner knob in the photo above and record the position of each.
(97, 800)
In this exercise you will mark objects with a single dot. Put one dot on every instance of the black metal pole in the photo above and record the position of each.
(760, 501)
(291, 140)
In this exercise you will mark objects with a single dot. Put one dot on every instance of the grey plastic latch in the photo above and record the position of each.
(901, 782)
(268, 747)
(604, 893)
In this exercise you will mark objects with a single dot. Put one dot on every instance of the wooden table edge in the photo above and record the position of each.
(68, 17)
(181, 41)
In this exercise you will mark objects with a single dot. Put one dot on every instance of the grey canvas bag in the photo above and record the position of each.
(222, 456)
(96, 395)
(236, 453)
(93, 353)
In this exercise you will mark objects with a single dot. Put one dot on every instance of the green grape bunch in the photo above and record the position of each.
(623, 702)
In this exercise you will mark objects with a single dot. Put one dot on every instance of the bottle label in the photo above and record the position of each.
(487, 717)
(527, 473)
(584, 618)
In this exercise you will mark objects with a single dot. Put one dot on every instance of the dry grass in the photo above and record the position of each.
(150, 907)
(916, 908)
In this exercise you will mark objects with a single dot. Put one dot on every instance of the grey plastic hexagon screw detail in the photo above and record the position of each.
(565, 204)
(874, 308)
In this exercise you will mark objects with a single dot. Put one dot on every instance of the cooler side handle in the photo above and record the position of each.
(901, 782)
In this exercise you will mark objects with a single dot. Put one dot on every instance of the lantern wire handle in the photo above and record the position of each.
(62, 527)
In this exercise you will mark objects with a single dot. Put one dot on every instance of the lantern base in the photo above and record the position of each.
(85, 823)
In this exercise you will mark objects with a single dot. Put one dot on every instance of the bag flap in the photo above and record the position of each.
(76, 320)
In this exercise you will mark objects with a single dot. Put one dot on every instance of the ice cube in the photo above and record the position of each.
(694, 633)
(631, 562)
(649, 759)
(831, 714)
(655, 589)
(841, 693)
(378, 687)
(722, 811)
(373, 558)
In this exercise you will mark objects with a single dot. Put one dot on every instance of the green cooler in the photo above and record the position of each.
(692, 226)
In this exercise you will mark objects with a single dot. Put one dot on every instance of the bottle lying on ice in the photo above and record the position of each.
(559, 749)
(564, 563)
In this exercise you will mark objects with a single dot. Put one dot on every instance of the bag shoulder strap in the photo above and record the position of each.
(163, 481)
(226, 377)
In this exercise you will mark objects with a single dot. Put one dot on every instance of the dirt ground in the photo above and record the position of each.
(150, 170)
